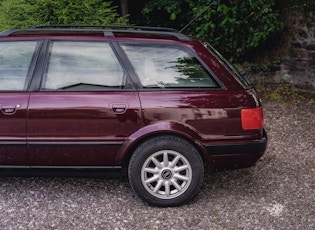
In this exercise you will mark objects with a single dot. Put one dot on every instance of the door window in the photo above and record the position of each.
(15, 61)
(87, 66)
(167, 67)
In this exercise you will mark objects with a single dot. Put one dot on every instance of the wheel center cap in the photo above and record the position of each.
(166, 174)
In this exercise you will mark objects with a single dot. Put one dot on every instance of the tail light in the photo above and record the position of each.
(252, 118)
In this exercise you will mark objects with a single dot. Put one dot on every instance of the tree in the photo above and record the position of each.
(26, 13)
(124, 7)
(235, 27)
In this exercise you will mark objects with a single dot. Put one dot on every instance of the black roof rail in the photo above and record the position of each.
(8, 32)
(107, 30)
(115, 27)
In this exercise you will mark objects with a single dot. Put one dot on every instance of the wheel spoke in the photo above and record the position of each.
(181, 168)
(167, 188)
(165, 159)
(151, 179)
(181, 177)
(156, 162)
(176, 185)
(174, 162)
(151, 170)
(158, 186)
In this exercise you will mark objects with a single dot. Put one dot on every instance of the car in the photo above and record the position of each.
(151, 104)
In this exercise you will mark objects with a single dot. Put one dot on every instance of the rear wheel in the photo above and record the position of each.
(166, 171)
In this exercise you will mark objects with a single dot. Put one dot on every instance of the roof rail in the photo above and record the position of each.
(8, 32)
(115, 27)
(105, 29)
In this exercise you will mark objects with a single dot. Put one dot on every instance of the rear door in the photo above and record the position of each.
(16, 68)
(85, 109)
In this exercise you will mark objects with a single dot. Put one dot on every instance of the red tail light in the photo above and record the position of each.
(252, 118)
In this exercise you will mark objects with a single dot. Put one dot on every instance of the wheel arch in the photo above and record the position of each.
(147, 133)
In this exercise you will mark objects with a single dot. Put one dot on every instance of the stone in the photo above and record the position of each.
(311, 46)
(300, 53)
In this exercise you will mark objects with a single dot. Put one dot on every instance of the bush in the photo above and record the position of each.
(27, 13)
(234, 27)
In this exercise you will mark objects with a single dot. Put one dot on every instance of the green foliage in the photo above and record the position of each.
(234, 27)
(260, 69)
(26, 13)
(286, 92)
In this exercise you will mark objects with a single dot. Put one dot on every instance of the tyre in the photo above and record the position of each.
(166, 171)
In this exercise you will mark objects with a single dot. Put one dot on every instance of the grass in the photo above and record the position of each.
(285, 92)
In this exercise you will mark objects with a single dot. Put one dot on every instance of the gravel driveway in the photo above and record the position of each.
(279, 193)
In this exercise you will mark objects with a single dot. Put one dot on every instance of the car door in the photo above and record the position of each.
(16, 65)
(85, 108)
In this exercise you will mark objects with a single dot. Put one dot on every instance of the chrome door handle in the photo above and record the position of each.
(119, 108)
(9, 109)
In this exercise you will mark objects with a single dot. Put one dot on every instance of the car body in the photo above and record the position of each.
(149, 102)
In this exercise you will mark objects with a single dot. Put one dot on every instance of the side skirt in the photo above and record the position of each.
(61, 171)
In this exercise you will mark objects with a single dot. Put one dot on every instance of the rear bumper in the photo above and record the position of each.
(236, 155)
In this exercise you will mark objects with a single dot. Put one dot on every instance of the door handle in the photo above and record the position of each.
(9, 109)
(119, 108)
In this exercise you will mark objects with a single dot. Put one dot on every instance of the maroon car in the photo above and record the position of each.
(150, 102)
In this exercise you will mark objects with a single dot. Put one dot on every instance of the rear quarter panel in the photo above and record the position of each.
(212, 114)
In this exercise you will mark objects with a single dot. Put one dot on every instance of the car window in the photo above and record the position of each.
(82, 66)
(15, 61)
(167, 67)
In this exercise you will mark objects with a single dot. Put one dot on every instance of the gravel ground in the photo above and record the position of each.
(279, 193)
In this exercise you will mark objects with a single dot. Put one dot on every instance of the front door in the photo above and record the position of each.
(85, 108)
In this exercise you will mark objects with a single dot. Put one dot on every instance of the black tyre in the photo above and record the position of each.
(166, 171)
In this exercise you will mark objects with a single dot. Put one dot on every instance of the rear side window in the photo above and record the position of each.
(15, 61)
(167, 67)
(77, 66)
